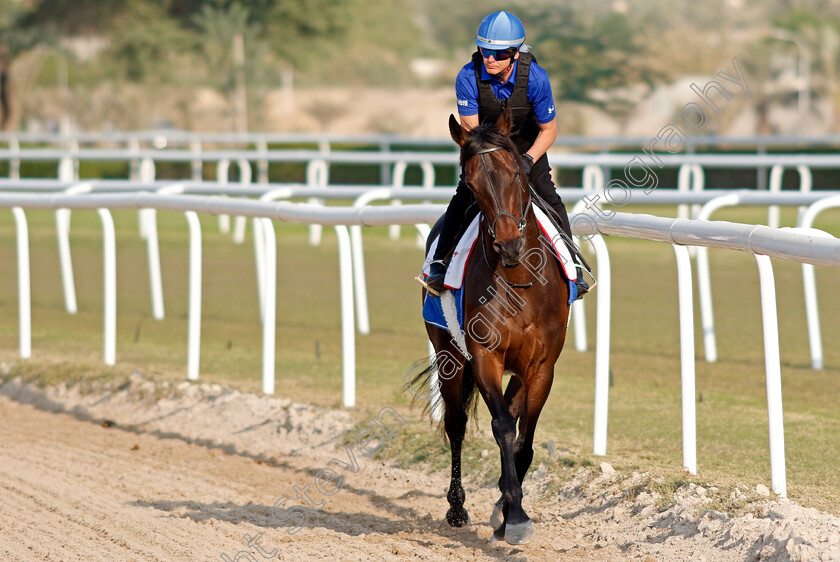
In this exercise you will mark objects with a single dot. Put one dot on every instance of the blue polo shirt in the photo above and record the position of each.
(539, 90)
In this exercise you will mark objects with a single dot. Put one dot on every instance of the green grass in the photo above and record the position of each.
(644, 423)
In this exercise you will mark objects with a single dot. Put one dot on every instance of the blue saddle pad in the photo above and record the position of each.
(433, 309)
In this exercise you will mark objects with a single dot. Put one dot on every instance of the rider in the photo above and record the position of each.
(501, 73)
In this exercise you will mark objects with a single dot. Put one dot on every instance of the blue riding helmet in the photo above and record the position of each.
(500, 30)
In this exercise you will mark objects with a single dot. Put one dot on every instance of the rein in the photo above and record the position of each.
(506, 282)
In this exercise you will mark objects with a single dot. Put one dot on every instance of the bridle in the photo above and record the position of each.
(520, 223)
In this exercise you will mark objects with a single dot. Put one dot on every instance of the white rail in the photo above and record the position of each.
(586, 199)
(755, 239)
(556, 159)
(167, 137)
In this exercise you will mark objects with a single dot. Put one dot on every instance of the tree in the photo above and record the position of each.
(15, 40)
(819, 33)
(596, 59)
(224, 31)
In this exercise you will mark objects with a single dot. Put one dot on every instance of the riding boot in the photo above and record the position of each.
(452, 223)
(580, 282)
(540, 179)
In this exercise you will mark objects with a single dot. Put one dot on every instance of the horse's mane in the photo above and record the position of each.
(485, 136)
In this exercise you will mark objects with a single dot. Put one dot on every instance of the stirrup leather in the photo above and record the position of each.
(423, 280)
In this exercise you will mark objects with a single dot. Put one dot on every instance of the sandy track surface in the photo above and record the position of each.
(111, 476)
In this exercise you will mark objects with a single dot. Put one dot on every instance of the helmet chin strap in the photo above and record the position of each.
(503, 74)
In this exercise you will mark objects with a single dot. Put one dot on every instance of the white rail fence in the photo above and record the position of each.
(393, 165)
(809, 248)
(166, 138)
(707, 202)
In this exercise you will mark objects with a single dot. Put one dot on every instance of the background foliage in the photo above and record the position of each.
(606, 53)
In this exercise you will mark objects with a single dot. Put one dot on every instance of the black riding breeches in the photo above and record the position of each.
(539, 178)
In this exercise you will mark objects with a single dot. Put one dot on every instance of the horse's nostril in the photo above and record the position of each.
(498, 247)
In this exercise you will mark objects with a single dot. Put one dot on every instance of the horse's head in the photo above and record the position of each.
(494, 174)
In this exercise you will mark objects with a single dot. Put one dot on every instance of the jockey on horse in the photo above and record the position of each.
(499, 75)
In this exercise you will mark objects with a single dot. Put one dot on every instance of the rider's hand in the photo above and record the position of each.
(527, 163)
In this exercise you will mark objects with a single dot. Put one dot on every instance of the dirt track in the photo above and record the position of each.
(188, 478)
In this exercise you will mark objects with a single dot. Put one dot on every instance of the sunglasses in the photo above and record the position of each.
(503, 54)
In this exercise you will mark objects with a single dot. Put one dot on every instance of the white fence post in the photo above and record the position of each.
(809, 281)
(773, 374)
(222, 171)
(269, 300)
(149, 217)
(196, 164)
(704, 279)
(134, 163)
(24, 292)
(684, 177)
(686, 312)
(109, 252)
(62, 230)
(240, 222)
(578, 309)
(348, 332)
(153, 260)
(775, 186)
(776, 174)
(359, 280)
(398, 180)
(697, 184)
(260, 248)
(317, 175)
(194, 322)
(262, 163)
(602, 345)
(428, 183)
(146, 173)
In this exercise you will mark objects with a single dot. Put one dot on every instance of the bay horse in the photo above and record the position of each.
(515, 315)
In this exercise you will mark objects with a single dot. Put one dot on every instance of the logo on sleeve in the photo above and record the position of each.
(551, 110)
(463, 102)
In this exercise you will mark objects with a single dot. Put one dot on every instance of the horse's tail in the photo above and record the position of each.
(420, 388)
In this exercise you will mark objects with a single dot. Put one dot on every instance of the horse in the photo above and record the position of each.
(524, 308)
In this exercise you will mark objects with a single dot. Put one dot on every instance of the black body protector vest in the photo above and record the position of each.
(525, 125)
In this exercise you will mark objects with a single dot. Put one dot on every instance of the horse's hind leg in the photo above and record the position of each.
(455, 393)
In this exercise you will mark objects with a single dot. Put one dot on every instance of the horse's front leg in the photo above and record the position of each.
(517, 528)
(533, 400)
(515, 394)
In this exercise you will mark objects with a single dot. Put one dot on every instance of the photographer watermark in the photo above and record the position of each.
(638, 174)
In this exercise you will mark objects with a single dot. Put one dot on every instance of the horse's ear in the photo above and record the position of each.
(459, 134)
(505, 120)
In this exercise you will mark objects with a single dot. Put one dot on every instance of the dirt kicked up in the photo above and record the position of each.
(198, 475)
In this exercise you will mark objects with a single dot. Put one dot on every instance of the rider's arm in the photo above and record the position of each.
(539, 93)
(544, 140)
(469, 122)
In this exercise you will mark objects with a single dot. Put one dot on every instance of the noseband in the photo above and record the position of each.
(520, 223)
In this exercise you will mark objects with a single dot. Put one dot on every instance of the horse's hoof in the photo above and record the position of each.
(497, 519)
(457, 517)
(498, 536)
(520, 533)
